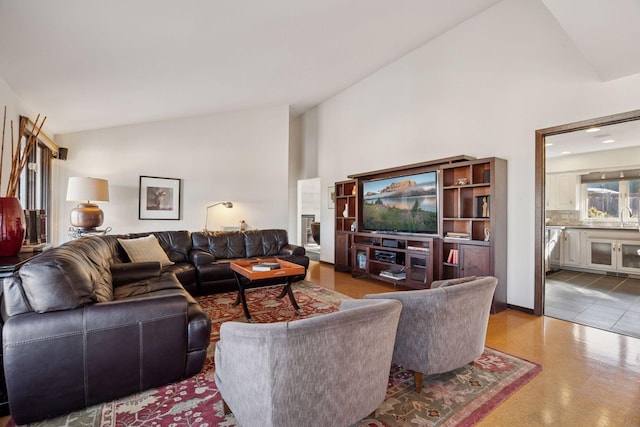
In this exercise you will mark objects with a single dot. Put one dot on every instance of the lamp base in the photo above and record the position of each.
(87, 216)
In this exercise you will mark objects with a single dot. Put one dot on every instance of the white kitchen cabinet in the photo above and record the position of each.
(614, 255)
(553, 250)
(560, 191)
(572, 247)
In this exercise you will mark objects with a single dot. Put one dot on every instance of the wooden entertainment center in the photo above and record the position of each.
(471, 239)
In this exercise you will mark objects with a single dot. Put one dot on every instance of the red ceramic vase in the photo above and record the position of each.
(11, 226)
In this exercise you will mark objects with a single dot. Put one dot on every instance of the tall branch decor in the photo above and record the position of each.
(19, 153)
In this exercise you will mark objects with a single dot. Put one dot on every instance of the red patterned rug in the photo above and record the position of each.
(461, 397)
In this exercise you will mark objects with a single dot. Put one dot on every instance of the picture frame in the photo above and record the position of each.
(159, 198)
(483, 206)
(331, 201)
(462, 181)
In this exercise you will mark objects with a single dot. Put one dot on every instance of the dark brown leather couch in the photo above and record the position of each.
(84, 325)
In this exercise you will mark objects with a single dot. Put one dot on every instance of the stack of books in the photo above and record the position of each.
(396, 273)
(453, 256)
(455, 235)
(265, 266)
(418, 248)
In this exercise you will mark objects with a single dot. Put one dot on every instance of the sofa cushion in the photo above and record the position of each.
(145, 249)
(264, 242)
(220, 244)
(58, 283)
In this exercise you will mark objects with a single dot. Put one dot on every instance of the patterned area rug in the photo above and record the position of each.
(461, 397)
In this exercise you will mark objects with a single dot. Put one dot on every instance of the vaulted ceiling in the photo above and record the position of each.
(92, 64)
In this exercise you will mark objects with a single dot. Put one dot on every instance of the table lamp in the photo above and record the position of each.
(87, 215)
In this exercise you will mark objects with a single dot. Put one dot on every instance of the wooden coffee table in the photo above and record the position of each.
(244, 269)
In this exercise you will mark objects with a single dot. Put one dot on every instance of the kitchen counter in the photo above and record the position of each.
(595, 227)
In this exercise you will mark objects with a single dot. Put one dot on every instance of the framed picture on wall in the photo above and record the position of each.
(159, 198)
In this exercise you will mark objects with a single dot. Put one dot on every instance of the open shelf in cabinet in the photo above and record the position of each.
(403, 260)
(473, 223)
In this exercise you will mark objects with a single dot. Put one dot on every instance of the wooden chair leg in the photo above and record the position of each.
(418, 377)
(225, 408)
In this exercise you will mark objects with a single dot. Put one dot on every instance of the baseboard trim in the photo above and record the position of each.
(518, 308)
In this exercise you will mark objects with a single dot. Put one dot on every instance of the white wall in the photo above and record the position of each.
(16, 108)
(238, 156)
(481, 89)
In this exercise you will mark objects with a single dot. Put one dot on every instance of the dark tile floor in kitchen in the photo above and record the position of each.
(606, 302)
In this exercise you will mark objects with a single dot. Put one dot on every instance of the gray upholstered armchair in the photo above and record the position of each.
(332, 369)
(441, 329)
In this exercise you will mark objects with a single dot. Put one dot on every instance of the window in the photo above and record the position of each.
(608, 199)
(35, 193)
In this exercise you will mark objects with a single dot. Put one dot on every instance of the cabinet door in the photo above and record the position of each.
(551, 191)
(572, 248)
(342, 252)
(602, 254)
(566, 192)
(629, 257)
(418, 272)
(560, 191)
(554, 247)
(474, 261)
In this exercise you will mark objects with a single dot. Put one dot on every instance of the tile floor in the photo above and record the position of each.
(606, 302)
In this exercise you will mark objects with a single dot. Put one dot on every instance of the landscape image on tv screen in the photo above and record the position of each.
(403, 204)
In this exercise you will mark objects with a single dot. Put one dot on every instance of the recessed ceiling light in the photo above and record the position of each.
(548, 144)
(608, 141)
(566, 152)
(594, 129)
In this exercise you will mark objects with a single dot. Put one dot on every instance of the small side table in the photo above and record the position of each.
(9, 265)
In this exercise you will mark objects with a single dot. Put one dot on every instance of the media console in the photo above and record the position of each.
(472, 227)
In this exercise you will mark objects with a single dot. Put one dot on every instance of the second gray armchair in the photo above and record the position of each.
(441, 329)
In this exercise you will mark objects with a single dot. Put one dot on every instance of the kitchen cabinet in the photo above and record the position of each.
(572, 247)
(621, 256)
(561, 191)
(553, 248)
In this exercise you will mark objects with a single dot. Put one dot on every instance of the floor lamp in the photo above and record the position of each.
(225, 204)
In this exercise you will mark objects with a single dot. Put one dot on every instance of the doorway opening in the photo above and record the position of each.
(309, 205)
(572, 281)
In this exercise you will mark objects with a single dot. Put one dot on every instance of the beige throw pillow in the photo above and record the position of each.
(145, 249)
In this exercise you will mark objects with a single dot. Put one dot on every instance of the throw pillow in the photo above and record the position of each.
(145, 249)
(458, 281)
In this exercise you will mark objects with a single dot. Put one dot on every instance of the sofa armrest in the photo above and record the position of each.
(127, 272)
(290, 249)
(199, 257)
(143, 340)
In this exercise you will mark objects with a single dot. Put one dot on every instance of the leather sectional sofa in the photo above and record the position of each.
(83, 324)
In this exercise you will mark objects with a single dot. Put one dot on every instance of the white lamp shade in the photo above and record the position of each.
(84, 189)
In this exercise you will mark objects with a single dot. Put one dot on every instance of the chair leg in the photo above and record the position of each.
(225, 408)
(418, 377)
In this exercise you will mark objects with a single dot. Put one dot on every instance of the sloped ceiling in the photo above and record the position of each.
(607, 33)
(92, 64)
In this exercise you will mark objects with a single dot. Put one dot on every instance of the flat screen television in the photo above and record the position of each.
(402, 204)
